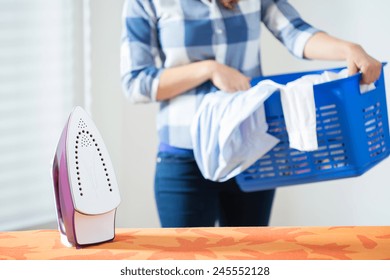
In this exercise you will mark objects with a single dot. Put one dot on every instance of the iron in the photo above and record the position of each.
(85, 187)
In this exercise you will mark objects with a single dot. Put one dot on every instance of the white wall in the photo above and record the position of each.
(129, 130)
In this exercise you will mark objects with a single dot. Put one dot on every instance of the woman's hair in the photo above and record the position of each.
(229, 4)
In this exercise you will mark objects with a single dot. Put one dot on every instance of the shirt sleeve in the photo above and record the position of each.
(139, 50)
(286, 25)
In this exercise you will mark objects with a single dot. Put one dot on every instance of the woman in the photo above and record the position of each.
(174, 52)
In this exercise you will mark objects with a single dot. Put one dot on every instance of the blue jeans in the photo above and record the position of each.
(185, 199)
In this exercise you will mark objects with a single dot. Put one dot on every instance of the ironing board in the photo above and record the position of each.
(239, 243)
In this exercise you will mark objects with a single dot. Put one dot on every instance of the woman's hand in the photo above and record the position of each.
(228, 79)
(176, 80)
(359, 60)
(324, 46)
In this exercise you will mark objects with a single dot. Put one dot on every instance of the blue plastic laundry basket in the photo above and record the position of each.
(352, 132)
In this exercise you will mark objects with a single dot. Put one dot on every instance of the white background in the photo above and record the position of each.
(129, 130)
(99, 269)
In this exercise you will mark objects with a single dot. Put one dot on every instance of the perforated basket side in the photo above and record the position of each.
(284, 166)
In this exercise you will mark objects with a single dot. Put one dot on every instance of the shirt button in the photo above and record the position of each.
(219, 31)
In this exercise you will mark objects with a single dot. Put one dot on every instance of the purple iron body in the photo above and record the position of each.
(85, 186)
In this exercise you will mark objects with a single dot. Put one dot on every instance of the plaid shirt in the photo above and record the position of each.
(159, 34)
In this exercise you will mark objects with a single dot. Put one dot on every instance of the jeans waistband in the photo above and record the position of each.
(174, 150)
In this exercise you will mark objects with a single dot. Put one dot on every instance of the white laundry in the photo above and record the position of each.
(229, 131)
(299, 112)
(328, 76)
(298, 105)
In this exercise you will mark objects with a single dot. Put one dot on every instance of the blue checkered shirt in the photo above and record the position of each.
(159, 34)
